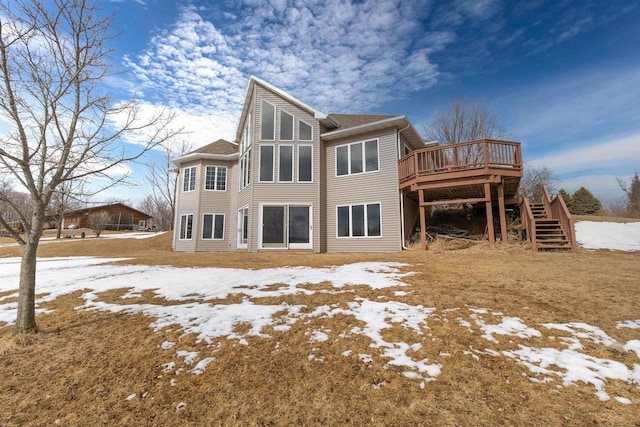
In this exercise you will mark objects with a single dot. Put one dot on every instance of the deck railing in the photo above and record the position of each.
(557, 209)
(481, 154)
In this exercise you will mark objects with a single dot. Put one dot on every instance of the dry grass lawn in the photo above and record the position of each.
(82, 366)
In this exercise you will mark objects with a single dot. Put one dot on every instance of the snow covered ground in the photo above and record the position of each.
(568, 362)
(608, 235)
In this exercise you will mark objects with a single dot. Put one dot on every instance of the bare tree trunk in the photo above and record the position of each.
(26, 319)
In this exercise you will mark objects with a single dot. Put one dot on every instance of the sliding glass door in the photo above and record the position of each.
(286, 226)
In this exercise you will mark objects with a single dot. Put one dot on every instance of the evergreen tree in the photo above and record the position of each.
(583, 202)
(567, 199)
(633, 196)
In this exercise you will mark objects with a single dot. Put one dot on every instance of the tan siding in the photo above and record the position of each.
(218, 202)
(187, 203)
(370, 187)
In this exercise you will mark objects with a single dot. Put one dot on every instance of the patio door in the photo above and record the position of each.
(286, 226)
(243, 228)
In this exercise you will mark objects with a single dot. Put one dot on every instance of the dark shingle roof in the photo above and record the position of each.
(218, 147)
(352, 120)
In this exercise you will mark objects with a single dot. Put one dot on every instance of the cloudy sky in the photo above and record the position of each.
(564, 76)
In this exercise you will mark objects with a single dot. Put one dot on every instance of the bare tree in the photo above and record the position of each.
(64, 126)
(98, 221)
(69, 196)
(632, 190)
(460, 122)
(160, 201)
(532, 180)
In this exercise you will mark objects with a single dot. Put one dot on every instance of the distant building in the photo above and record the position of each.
(122, 217)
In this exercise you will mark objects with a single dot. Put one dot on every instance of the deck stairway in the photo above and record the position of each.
(549, 234)
(549, 225)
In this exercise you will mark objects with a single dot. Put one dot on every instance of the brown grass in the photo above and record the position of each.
(80, 369)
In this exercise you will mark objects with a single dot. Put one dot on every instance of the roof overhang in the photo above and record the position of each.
(401, 123)
(204, 156)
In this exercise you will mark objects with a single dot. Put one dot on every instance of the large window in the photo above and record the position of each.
(189, 178)
(357, 158)
(186, 226)
(215, 178)
(305, 131)
(268, 121)
(285, 163)
(305, 163)
(245, 154)
(286, 126)
(213, 226)
(359, 220)
(266, 163)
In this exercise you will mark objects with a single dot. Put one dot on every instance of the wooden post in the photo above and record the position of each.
(503, 216)
(423, 221)
(490, 230)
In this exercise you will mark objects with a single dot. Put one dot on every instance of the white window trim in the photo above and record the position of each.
(193, 226)
(308, 124)
(288, 246)
(293, 157)
(366, 221)
(293, 127)
(239, 243)
(273, 162)
(215, 178)
(274, 121)
(364, 158)
(184, 176)
(298, 163)
(213, 226)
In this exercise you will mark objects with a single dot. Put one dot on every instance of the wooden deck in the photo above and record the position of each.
(484, 171)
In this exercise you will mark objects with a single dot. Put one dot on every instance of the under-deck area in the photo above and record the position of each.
(483, 172)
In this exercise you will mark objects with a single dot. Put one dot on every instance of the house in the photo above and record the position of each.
(122, 217)
(297, 178)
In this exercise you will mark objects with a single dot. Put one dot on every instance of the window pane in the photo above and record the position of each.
(189, 226)
(371, 155)
(189, 179)
(266, 163)
(285, 163)
(248, 176)
(192, 179)
(298, 224)
(186, 225)
(373, 220)
(207, 227)
(219, 227)
(305, 163)
(304, 131)
(286, 126)
(273, 224)
(356, 158)
(221, 179)
(210, 177)
(342, 160)
(245, 225)
(343, 221)
(357, 220)
(268, 116)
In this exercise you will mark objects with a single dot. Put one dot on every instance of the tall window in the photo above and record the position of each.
(245, 154)
(305, 163)
(215, 178)
(285, 163)
(266, 163)
(357, 158)
(305, 131)
(268, 121)
(213, 226)
(359, 220)
(286, 126)
(186, 226)
(189, 178)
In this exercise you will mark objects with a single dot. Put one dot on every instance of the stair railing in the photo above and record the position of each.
(529, 222)
(557, 209)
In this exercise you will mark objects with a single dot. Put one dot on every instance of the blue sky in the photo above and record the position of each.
(563, 76)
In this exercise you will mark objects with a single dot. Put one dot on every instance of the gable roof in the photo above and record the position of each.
(253, 80)
(217, 150)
